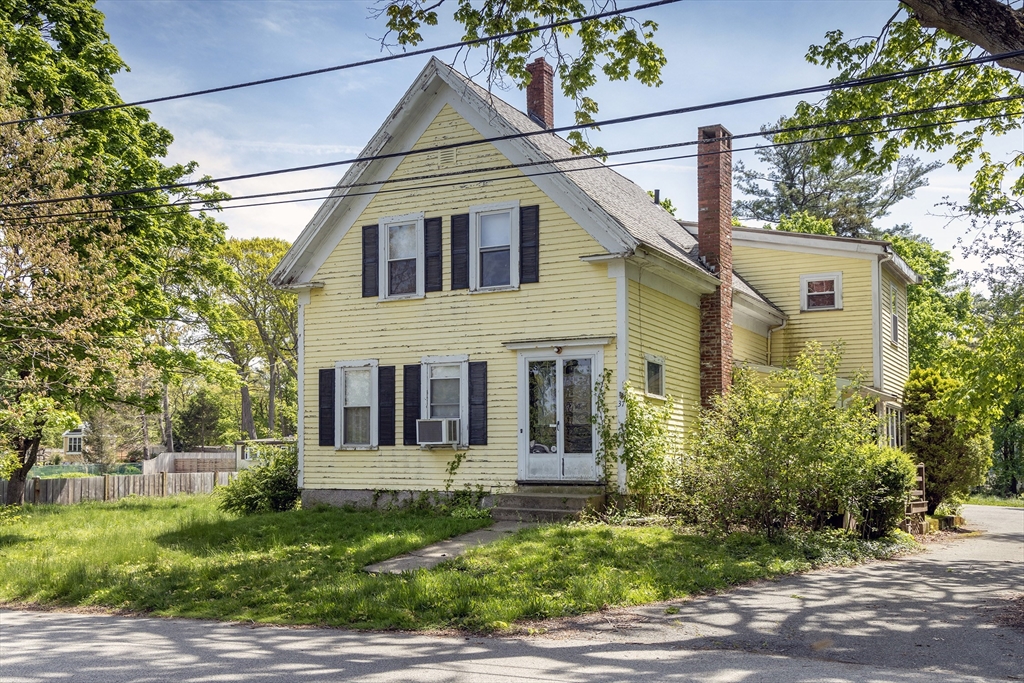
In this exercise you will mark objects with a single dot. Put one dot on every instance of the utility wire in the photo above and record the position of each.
(350, 65)
(827, 87)
(549, 162)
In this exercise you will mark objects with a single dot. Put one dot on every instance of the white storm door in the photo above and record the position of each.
(556, 434)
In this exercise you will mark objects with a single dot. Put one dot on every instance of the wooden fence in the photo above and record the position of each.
(115, 487)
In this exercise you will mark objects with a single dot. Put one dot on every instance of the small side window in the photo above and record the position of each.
(822, 292)
(654, 375)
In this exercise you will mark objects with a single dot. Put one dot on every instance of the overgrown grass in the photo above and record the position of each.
(183, 557)
(996, 500)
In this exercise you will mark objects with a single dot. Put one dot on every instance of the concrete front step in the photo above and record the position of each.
(504, 514)
(549, 501)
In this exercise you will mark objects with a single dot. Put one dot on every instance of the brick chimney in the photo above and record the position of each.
(714, 242)
(540, 93)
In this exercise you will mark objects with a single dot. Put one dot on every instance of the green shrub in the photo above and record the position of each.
(781, 451)
(887, 478)
(271, 484)
(952, 442)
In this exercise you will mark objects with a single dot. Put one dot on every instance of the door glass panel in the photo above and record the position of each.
(577, 405)
(543, 380)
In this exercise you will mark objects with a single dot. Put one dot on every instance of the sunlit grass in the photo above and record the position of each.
(1017, 502)
(183, 557)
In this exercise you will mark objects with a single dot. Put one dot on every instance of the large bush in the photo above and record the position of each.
(881, 495)
(953, 442)
(789, 449)
(271, 484)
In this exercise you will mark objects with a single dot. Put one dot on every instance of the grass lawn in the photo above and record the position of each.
(183, 557)
(996, 500)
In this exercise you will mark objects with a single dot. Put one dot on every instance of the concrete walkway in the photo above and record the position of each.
(928, 617)
(435, 554)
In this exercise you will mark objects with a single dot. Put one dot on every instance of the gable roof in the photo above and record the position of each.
(603, 198)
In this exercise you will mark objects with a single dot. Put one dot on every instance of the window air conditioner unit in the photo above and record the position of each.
(437, 432)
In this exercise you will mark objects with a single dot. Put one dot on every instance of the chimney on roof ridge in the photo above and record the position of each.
(714, 241)
(540, 93)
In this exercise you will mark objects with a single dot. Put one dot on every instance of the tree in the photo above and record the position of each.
(64, 340)
(802, 221)
(853, 199)
(951, 440)
(200, 421)
(616, 47)
(273, 313)
(992, 25)
(66, 61)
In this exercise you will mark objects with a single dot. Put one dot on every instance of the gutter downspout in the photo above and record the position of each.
(777, 328)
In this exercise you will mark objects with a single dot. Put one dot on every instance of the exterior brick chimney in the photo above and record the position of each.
(714, 242)
(540, 93)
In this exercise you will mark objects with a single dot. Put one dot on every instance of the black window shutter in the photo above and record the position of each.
(386, 405)
(371, 252)
(410, 403)
(460, 251)
(529, 244)
(326, 401)
(432, 254)
(478, 403)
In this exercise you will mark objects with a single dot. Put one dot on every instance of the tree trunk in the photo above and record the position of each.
(27, 455)
(168, 425)
(248, 425)
(992, 25)
(271, 401)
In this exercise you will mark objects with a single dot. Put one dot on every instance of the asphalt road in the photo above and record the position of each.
(929, 617)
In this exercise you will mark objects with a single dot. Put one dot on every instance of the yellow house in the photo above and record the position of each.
(468, 283)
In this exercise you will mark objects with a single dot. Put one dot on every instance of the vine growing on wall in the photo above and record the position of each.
(642, 442)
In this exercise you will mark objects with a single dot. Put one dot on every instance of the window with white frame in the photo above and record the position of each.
(445, 390)
(74, 444)
(895, 429)
(654, 375)
(357, 404)
(894, 315)
(821, 292)
(401, 256)
(494, 246)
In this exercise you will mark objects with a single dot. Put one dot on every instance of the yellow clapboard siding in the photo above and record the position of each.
(776, 274)
(895, 357)
(661, 325)
(748, 346)
(572, 299)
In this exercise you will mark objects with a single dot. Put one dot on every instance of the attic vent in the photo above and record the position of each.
(447, 157)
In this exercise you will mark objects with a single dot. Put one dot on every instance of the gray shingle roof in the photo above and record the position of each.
(625, 201)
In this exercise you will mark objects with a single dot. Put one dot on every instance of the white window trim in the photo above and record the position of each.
(474, 245)
(894, 315)
(804, 279)
(650, 358)
(72, 450)
(382, 239)
(462, 360)
(339, 405)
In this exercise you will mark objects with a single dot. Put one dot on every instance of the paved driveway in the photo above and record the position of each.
(930, 617)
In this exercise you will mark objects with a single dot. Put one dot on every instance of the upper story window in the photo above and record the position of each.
(402, 256)
(494, 246)
(894, 315)
(821, 292)
(654, 375)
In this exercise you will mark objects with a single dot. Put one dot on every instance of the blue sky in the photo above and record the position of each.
(717, 49)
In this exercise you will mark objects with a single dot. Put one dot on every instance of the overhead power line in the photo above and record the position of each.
(823, 88)
(350, 65)
(763, 133)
